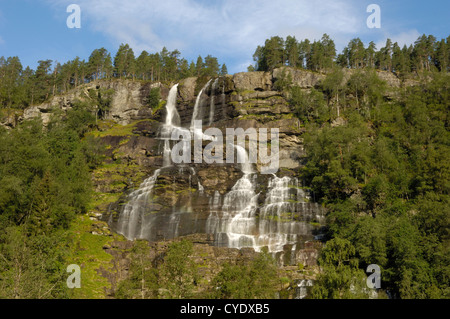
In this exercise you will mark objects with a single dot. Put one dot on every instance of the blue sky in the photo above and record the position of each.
(228, 29)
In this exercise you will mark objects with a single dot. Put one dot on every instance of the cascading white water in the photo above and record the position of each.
(212, 105)
(198, 105)
(277, 224)
(223, 98)
(241, 223)
(172, 117)
(237, 218)
(134, 216)
(131, 217)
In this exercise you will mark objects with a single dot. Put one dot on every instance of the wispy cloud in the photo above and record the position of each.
(402, 38)
(229, 29)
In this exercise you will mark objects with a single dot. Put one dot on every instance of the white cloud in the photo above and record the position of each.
(227, 29)
(403, 38)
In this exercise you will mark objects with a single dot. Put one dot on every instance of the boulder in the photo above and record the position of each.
(302, 78)
(252, 81)
(391, 79)
(186, 89)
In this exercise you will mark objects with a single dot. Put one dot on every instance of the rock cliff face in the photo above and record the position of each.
(232, 203)
(128, 98)
(201, 198)
(229, 211)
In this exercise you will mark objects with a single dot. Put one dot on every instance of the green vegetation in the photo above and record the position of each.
(259, 280)
(44, 183)
(174, 278)
(427, 54)
(383, 176)
(378, 161)
(21, 87)
(154, 98)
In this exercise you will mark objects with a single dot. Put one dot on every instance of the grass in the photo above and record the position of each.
(87, 252)
(108, 128)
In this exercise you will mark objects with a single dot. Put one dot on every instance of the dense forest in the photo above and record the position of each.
(21, 87)
(427, 54)
(383, 175)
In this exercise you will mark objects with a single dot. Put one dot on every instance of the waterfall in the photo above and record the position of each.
(224, 113)
(172, 121)
(172, 124)
(277, 224)
(131, 217)
(212, 105)
(198, 105)
(282, 219)
(301, 291)
(236, 227)
(172, 117)
(197, 132)
(241, 217)
(135, 217)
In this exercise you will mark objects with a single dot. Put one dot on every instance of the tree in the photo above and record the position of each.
(308, 106)
(179, 272)
(356, 53)
(366, 87)
(370, 55)
(442, 56)
(31, 267)
(184, 69)
(340, 278)
(329, 52)
(223, 70)
(258, 280)
(333, 85)
(304, 48)
(258, 57)
(154, 98)
(199, 66)
(292, 52)
(211, 66)
(99, 65)
(143, 66)
(399, 60)
(10, 92)
(273, 53)
(43, 80)
(142, 282)
(124, 62)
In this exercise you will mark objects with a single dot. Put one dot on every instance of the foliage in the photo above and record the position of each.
(31, 267)
(154, 98)
(308, 106)
(340, 277)
(427, 54)
(179, 272)
(21, 87)
(142, 281)
(258, 280)
(384, 178)
(45, 182)
(283, 82)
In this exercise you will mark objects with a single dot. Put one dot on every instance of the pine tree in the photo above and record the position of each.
(124, 62)
(370, 55)
(292, 52)
(99, 64)
(199, 66)
(223, 70)
(211, 66)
